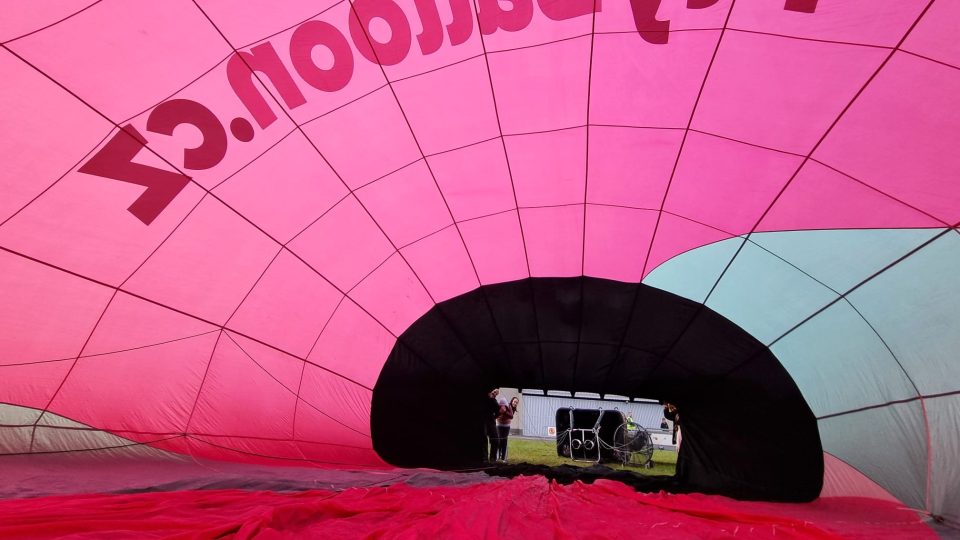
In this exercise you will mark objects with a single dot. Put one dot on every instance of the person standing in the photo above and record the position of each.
(671, 413)
(490, 412)
(507, 411)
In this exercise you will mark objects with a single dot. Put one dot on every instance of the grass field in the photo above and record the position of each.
(544, 452)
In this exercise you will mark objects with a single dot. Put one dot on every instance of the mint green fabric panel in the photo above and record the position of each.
(843, 258)
(915, 306)
(839, 363)
(844, 360)
(692, 274)
(887, 444)
(765, 295)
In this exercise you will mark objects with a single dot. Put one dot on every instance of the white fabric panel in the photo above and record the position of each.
(12, 415)
(55, 439)
(16, 440)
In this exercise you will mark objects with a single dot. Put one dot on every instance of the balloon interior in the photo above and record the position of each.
(284, 250)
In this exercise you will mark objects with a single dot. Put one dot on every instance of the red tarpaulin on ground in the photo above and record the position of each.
(525, 507)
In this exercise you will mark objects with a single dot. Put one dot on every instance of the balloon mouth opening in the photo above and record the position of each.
(747, 430)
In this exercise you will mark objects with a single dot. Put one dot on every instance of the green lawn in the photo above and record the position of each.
(544, 452)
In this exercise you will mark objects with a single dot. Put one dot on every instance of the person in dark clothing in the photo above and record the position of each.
(490, 412)
(503, 426)
(670, 413)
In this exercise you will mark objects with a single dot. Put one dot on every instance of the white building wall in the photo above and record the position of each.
(538, 412)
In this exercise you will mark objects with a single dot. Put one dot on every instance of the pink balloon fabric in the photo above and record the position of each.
(217, 217)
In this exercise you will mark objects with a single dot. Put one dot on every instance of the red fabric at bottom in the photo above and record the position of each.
(527, 507)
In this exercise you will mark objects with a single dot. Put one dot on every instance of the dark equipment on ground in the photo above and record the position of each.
(602, 436)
